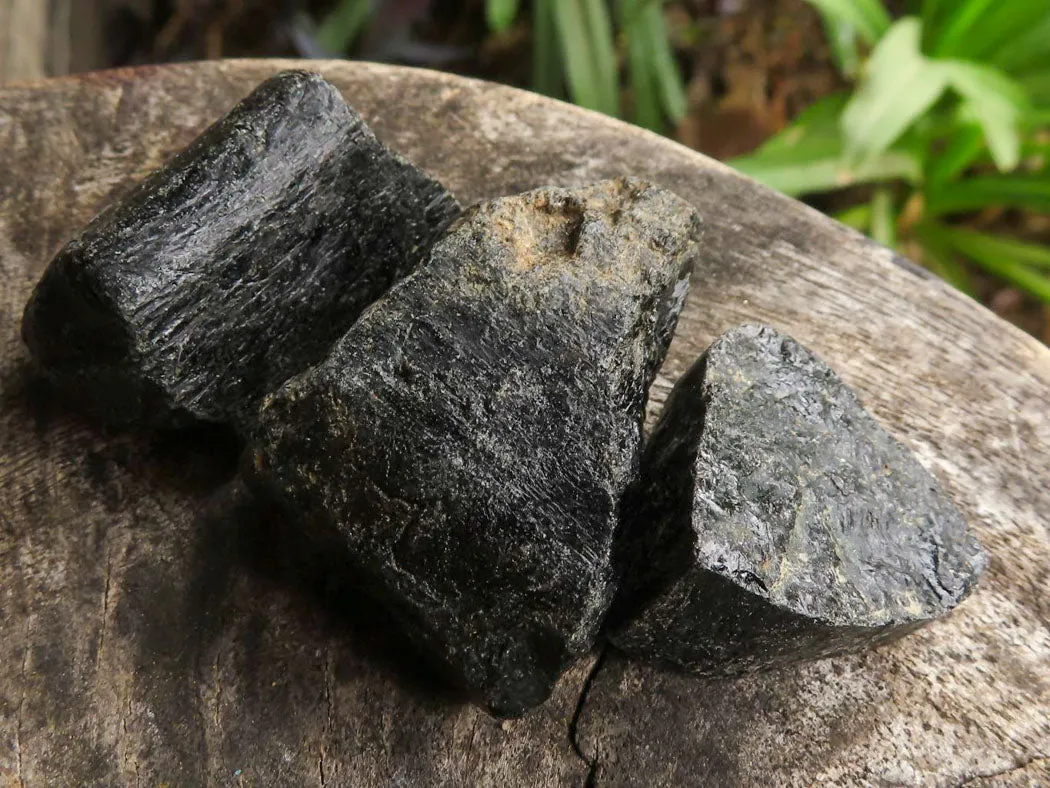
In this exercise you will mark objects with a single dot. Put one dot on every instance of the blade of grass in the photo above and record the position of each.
(1038, 149)
(339, 29)
(843, 40)
(500, 14)
(883, 217)
(795, 177)
(668, 77)
(942, 260)
(546, 60)
(600, 32)
(1038, 120)
(1004, 23)
(858, 217)
(1029, 49)
(929, 11)
(819, 121)
(901, 85)
(646, 110)
(977, 245)
(961, 151)
(1014, 271)
(1037, 85)
(994, 101)
(1030, 192)
(1024, 277)
(867, 17)
(930, 15)
(964, 16)
(577, 55)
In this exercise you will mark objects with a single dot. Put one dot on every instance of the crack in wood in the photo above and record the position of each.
(202, 708)
(22, 703)
(473, 736)
(122, 744)
(329, 712)
(217, 710)
(574, 739)
(27, 641)
(105, 613)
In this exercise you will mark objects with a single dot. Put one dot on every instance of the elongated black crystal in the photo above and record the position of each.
(472, 435)
(236, 265)
(776, 520)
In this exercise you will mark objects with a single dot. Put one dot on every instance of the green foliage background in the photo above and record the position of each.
(946, 115)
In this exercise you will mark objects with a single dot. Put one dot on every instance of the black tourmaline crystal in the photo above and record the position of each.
(776, 520)
(472, 435)
(235, 266)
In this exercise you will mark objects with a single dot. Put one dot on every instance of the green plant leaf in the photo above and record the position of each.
(900, 86)
(1037, 85)
(1001, 132)
(1030, 192)
(964, 17)
(867, 17)
(796, 175)
(931, 13)
(1001, 26)
(1030, 49)
(668, 76)
(570, 21)
(808, 156)
(995, 102)
(962, 149)
(1036, 283)
(585, 38)
(1009, 260)
(940, 258)
(342, 26)
(603, 47)
(656, 80)
(883, 217)
(500, 14)
(842, 37)
(818, 122)
(1038, 148)
(546, 59)
(980, 245)
(639, 59)
(858, 217)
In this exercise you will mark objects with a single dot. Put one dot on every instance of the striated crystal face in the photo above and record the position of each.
(778, 520)
(472, 435)
(237, 264)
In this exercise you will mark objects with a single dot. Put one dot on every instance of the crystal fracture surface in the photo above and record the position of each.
(236, 265)
(777, 520)
(472, 435)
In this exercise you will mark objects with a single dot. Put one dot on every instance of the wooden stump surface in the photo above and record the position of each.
(157, 627)
(41, 38)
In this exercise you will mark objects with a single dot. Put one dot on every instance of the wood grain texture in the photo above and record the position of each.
(23, 39)
(41, 38)
(157, 626)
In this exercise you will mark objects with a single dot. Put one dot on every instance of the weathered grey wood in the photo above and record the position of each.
(41, 38)
(154, 629)
(23, 39)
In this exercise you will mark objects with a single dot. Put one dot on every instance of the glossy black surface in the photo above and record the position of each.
(236, 265)
(472, 435)
(776, 520)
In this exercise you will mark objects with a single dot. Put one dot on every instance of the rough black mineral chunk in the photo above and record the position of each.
(776, 520)
(472, 435)
(235, 266)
